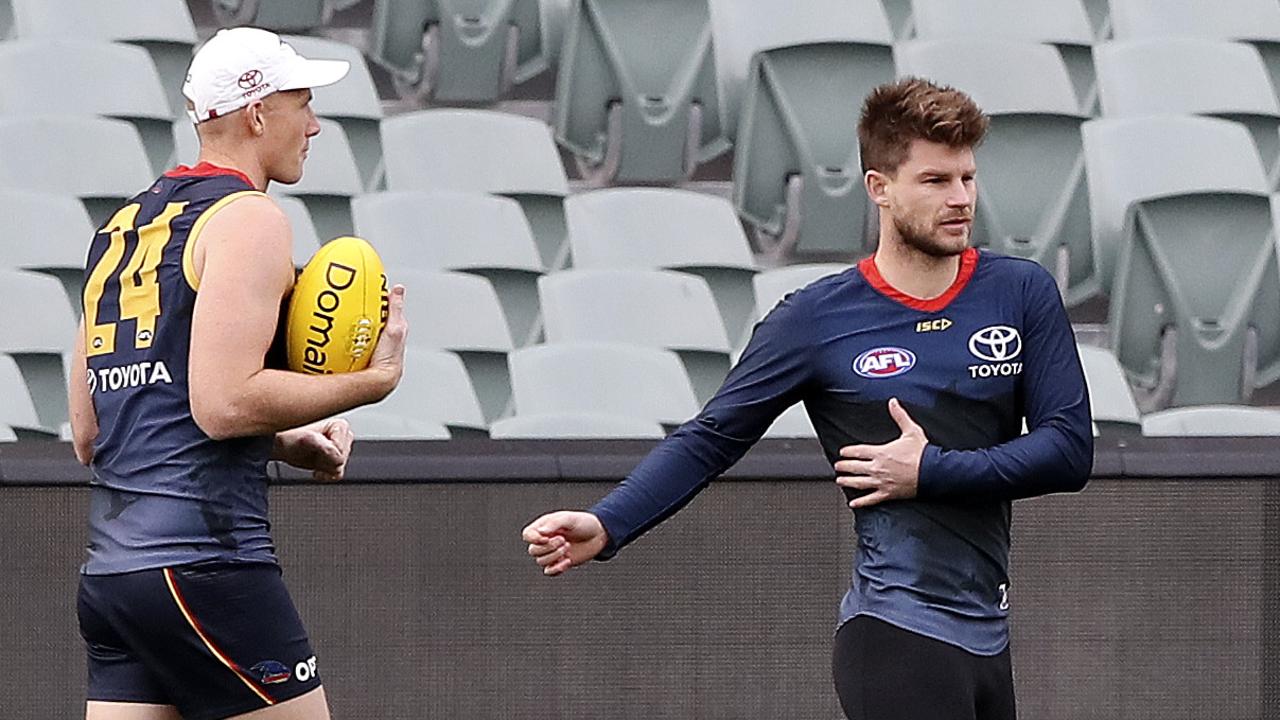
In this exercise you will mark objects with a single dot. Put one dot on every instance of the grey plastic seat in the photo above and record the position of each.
(636, 94)
(482, 151)
(1254, 21)
(18, 413)
(64, 229)
(1213, 421)
(329, 180)
(743, 28)
(352, 102)
(372, 424)
(7, 434)
(99, 160)
(277, 15)
(162, 27)
(38, 337)
(436, 388)
(480, 234)
(1035, 122)
(461, 313)
(460, 51)
(93, 78)
(1186, 76)
(571, 426)
(667, 229)
(1193, 305)
(656, 308)
(797, 175)
(630, 380)
(792, 423)
(1063, 24)
(773, 285)
(1109, 395)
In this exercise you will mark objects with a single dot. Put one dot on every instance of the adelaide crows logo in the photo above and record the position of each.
(270, 672)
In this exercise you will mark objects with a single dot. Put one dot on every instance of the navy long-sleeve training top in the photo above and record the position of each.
(968, 366)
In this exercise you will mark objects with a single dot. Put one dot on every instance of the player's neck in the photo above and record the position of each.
(915, 273)
(250, 169)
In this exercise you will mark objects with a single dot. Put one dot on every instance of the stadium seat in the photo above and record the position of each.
(1061, 23)
(99, 160)
(1035, 123)
(655, 308)
(18, 413)
(460, 51)
(570, 426)
(482, 151)
(461, 313)
(7, 434)
(162, 27)
(797, 176)
(636, 94)
(1212, 421)
(1183, 200)
(1109, 394)
(792, 423)
(773, 285)
(631, 380)
(1254, 21)
(93, 78)
(277, 15)
(329, 181)
(352, 102)
(38, 338)
(373, 424)
(742, 28)
(46, 233)
(1186, 76)
(667, 229)
(481, 234)
(435, 388)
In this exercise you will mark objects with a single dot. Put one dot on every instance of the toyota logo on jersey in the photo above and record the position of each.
(996, 343)
(883, 362)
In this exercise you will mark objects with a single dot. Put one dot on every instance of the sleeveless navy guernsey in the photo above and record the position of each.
(968, 367)
(163, 493)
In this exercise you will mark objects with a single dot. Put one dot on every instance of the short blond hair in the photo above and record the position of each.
(912, 108)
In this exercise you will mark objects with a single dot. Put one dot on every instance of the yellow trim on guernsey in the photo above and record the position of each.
(188, 251)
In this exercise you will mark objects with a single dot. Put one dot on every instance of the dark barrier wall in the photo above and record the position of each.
(1140, 598)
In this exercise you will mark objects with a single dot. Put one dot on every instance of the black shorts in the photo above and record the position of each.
(213, 639)
(883, 672)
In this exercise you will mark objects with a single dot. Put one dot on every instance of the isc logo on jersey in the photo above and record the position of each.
(883, 362)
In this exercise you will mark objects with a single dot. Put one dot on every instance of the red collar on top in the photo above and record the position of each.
(207, 169)
(968, 261)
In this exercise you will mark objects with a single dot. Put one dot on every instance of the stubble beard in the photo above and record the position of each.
(921, 241)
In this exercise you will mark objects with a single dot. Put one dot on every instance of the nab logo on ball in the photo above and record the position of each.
(883, 362)
(338, 309)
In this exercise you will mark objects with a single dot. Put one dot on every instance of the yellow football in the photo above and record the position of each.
(338, 309)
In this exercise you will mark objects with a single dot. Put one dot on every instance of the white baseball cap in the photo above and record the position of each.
(239, 65)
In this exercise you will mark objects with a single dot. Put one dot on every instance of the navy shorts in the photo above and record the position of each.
(213, 639)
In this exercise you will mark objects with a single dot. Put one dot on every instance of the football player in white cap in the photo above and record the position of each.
(177, 406)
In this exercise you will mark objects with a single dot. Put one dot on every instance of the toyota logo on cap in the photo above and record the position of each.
(251, 79)
(996, 343)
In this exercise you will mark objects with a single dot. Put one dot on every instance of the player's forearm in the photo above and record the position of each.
(1056, 457)
(272, 401)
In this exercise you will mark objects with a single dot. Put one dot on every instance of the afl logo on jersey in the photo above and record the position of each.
(883, 362)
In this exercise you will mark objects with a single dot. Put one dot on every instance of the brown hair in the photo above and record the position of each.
(912, 108)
